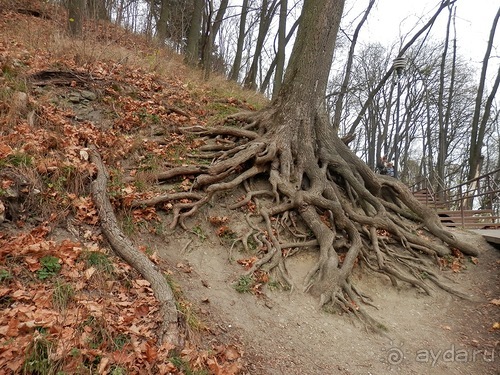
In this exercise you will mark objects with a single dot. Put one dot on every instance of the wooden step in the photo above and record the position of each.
(470, 219)
(459, 213)
(472, 225)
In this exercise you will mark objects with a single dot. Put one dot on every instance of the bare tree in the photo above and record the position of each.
(479, 122)
(235, 70)
(280, 53)
(266, 15)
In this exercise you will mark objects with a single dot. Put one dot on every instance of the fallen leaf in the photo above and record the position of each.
(89, 272)
(232, 353)
(142, 282)
(496, 325)
(495, 302)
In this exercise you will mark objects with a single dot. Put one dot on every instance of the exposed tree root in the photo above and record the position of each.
(320, 193)
(122, 245)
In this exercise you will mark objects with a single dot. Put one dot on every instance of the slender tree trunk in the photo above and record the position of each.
(348, 68)
(280, 53)
(267, 78)
(194, 34)
(207, 42)
(235, 69)
(162, 24)
(476, 143)
(442, 110)
(219, 17)
(478, 125)
(266, 16)
(97, 10)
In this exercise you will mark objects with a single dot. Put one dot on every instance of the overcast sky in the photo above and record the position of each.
(391, 19)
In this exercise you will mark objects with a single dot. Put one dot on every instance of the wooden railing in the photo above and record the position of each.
(474, 203)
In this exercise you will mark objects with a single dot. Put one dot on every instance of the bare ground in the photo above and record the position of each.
(284, 332)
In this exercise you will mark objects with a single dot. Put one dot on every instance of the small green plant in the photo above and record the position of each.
(184, 307)
(382, 327)
(199, 232)
(38, 357)
(99, 260)
(5, 275)
(150, 163)
(50, 267)
(183, 366)
(252, 244)
(120, 341)
(149, 118)
(226, 234)
(62, 295)
(244, 284)
(100, 336)
(117, 370)
(273, 285)
(159, 228)
(128, 225)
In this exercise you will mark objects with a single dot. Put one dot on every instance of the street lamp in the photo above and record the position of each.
(399, 64)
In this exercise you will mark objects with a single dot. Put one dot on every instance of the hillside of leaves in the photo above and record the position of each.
(68, 305)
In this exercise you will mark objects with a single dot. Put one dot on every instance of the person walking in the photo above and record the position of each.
(382, 165)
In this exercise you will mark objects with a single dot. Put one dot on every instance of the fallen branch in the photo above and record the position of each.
(124, 247)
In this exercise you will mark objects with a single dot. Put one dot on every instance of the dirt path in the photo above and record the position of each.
(285, 333)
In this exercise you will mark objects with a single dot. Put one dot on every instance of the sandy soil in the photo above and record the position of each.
(284, 332)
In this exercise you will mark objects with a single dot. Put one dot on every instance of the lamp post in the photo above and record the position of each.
(399, 64)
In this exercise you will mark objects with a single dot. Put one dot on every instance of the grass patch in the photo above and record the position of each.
(99, 260)
(38, 357)
(63, 294)
(183, 366)
(184, 307)
(244, 284)
(5, 276)
(127, 224)
(17, 159)
(120, 340)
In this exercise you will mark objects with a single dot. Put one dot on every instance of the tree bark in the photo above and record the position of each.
(280, 53)
(194, 34)
(162, 24)
(76, 10)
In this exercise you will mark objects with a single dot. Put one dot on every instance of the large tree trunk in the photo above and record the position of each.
(76, 10)
(351, 214)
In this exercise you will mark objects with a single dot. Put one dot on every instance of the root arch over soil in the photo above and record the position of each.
(323, 196)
